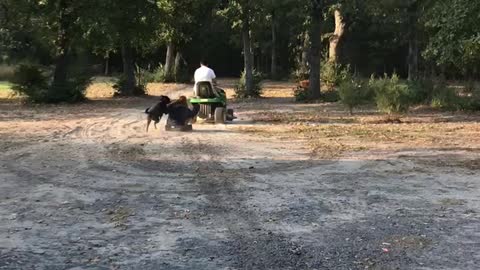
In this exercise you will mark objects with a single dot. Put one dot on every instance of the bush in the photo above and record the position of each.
(445, 98)
(72, 91)
(422, 91)
(122, 84)
(333, 74)
(30, 80)
(390, 95)
(471, 100)
(240, 87)
(354, 92)
(300, 74)
(301, 94)
(6, 72)
(159, 75)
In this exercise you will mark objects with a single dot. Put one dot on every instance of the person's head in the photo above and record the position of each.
(204, 62)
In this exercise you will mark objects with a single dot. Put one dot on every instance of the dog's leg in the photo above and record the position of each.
(149, 120)
(155, 125)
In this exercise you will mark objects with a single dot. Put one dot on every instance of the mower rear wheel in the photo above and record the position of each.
(220, 115)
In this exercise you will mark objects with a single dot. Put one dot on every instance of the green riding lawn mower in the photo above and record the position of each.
(213, 104)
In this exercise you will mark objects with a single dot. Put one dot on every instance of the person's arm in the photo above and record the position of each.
(214, 78)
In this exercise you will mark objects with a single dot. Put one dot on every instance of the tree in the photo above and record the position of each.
(453, 28)
(242, 13)
(315, 32)
(128, 25)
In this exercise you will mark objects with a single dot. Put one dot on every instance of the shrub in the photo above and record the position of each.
(471, 100)
(122, 84)
(6, 72)
(158, 75)
(445, 98)
(300, 74)
(333, 74)
(354, 92)
(30, 80)
(422, 91)
(390, 95)
(301, 93)
(72, 91)
(241, 89)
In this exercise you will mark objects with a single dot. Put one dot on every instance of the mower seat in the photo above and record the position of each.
(205, 90)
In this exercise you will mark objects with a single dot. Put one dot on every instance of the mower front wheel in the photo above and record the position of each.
(220, 115)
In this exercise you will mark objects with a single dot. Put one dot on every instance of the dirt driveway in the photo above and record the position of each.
(84, 187)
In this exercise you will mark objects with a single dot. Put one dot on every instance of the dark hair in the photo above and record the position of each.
(204, 62)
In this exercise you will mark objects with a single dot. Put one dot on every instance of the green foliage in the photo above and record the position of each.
(72, 91)
(122, 84)
(6, 72)
(448, 98)
(391, 96)
(445, 98)
(422, 90)
(332, 74)
(453, 27)
(300, 74)
(241, 90)
(354, 92)
(31, 81)
(159, 75)
(471, 101)
(301, 94)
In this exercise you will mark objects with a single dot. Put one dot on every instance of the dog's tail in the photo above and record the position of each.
(147, 111)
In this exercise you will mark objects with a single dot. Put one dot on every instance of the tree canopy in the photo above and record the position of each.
(412, 38)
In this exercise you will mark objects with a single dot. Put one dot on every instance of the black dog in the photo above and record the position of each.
(178, 111)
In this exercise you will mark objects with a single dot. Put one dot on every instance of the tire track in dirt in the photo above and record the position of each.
(247, 244)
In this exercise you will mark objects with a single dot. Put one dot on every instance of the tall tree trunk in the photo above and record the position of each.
(169, 61)
(315, 49)
(413, 50)
(336, 37)
(273, 68)
(128, 70)
(61, 63)
(247, 56)
(305, 52)
(107, 64)
(178, 66)
(61, 66)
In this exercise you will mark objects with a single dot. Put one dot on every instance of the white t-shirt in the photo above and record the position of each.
(204, 74)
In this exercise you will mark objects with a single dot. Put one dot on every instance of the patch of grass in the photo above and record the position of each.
(5, 86)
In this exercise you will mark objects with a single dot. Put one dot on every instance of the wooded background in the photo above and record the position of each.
(414, 38)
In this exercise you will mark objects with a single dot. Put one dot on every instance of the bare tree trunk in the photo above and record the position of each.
(107, 64)
(247, 56)
(61, 63)
(413, 43)
(305, 49)
(169, 61)
(336, 37)
(273, 68)
(128, 70)
(315, 49)
(179, 62)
